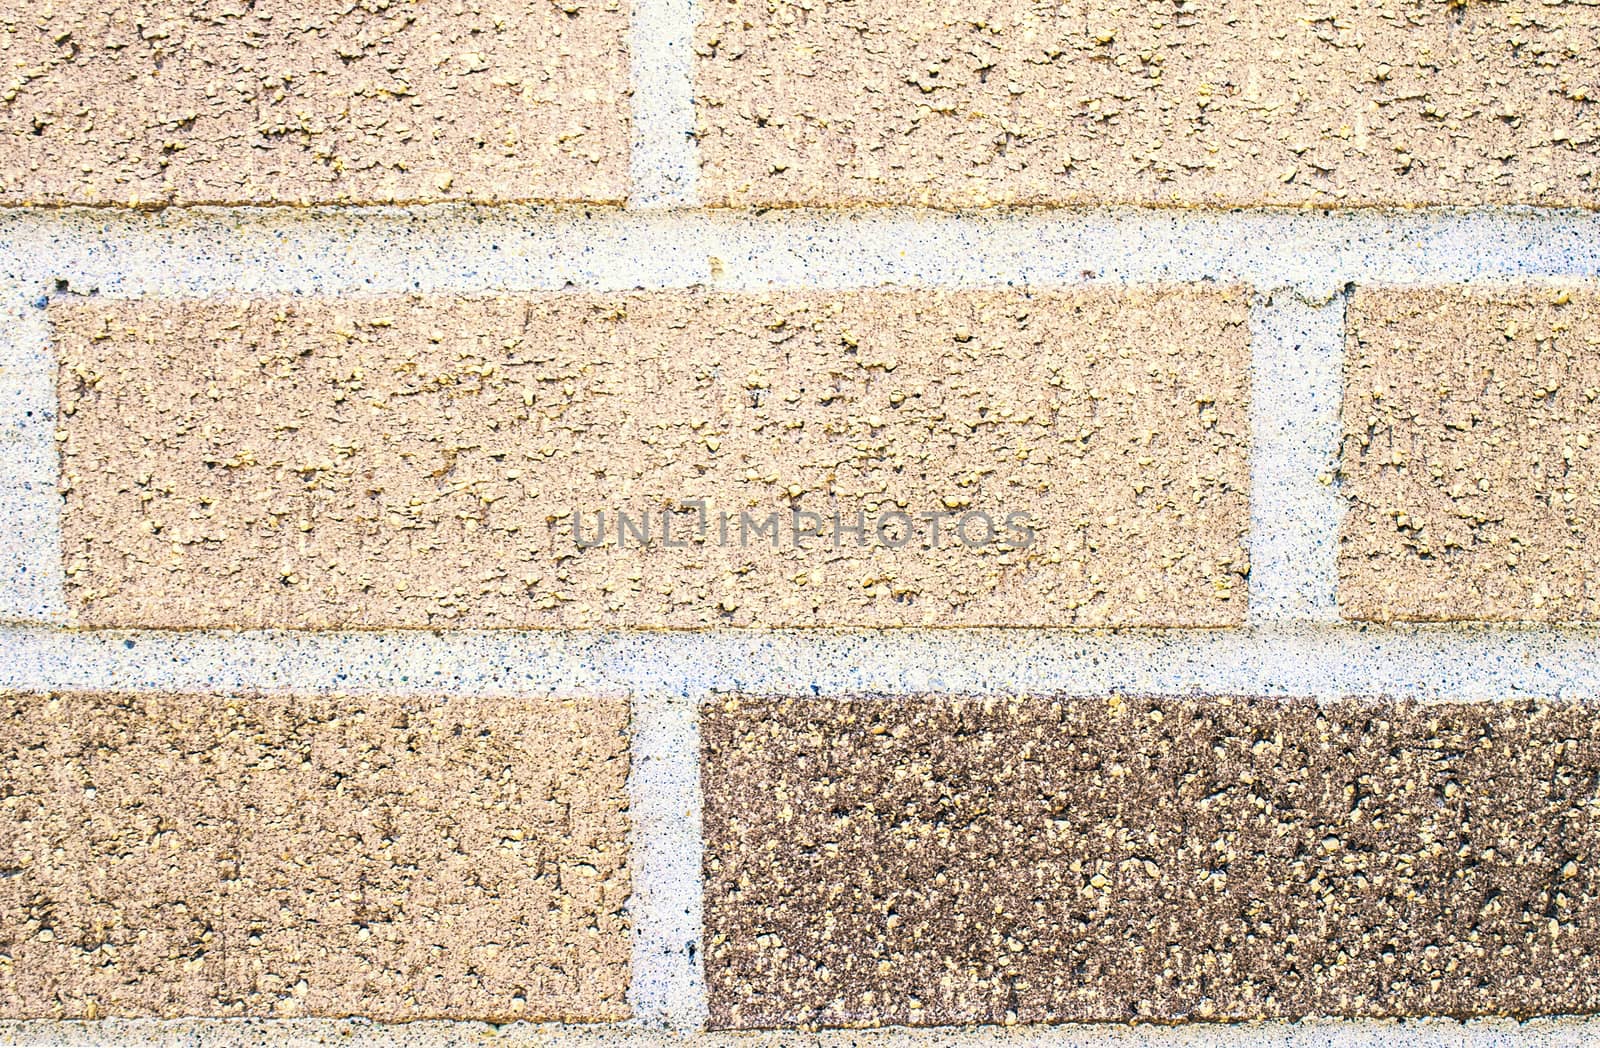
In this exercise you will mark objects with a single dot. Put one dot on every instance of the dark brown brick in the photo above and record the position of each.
(938, 860)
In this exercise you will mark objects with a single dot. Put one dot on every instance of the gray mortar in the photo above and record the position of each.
(207, 251)
(664, 164)
(31, 579)
(1297, 358)
(668, 985)
(1432, 663)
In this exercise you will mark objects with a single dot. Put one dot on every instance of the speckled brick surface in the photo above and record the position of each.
(225, 855)
(751, 268)
(140, 102)
(1469, 420)
(1212, 102)
(419, 462)
(932, 860)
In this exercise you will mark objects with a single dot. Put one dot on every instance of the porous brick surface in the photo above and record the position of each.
(933, 860)
(239, 855)
(1213, 102)
(1470, 417)
(273, 101)
(444, 461)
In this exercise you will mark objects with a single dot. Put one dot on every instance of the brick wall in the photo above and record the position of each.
(655, 522)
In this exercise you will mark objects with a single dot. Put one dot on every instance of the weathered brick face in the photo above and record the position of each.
(133, 102)
(936, 860)
(425, 461)
(308, 856)
(1469, 420)
(1217, 102)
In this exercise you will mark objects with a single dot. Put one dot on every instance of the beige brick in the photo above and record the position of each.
(213, 855)
(938, 860)
(117, 826)
(1224, 102)
(1470, 417)
(140, 102)
(417, 462)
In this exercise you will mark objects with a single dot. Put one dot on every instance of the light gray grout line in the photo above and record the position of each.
(665, 985)
(1444, 663)
(441, 248)
(31, 579)
(1575, 1032)
(668, 985)
(1297, 354)
(664, 163)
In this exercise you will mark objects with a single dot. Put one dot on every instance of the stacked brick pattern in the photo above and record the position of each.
(429, 462)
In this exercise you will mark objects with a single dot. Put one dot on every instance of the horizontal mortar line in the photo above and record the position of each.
(1410, 1033)
(1481, 662)
(464, 249)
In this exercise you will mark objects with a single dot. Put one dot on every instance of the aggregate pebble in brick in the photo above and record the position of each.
(934, 860)
(391, 858)
(417, 462)
(1231, 102)
(138, 102)
(1469, 420)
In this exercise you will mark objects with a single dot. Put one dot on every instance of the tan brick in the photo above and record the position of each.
(1230, 102)
(138, 102)
(417, 462)
(401, 859)
(117, 824)
(935, 860)
(1469, 415)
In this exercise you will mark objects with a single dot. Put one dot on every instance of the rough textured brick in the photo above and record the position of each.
(1470, 417)
(1208, 102)
(118, 824)
(138, 102)
(280, 856)
(418, 462)
(936, 860)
